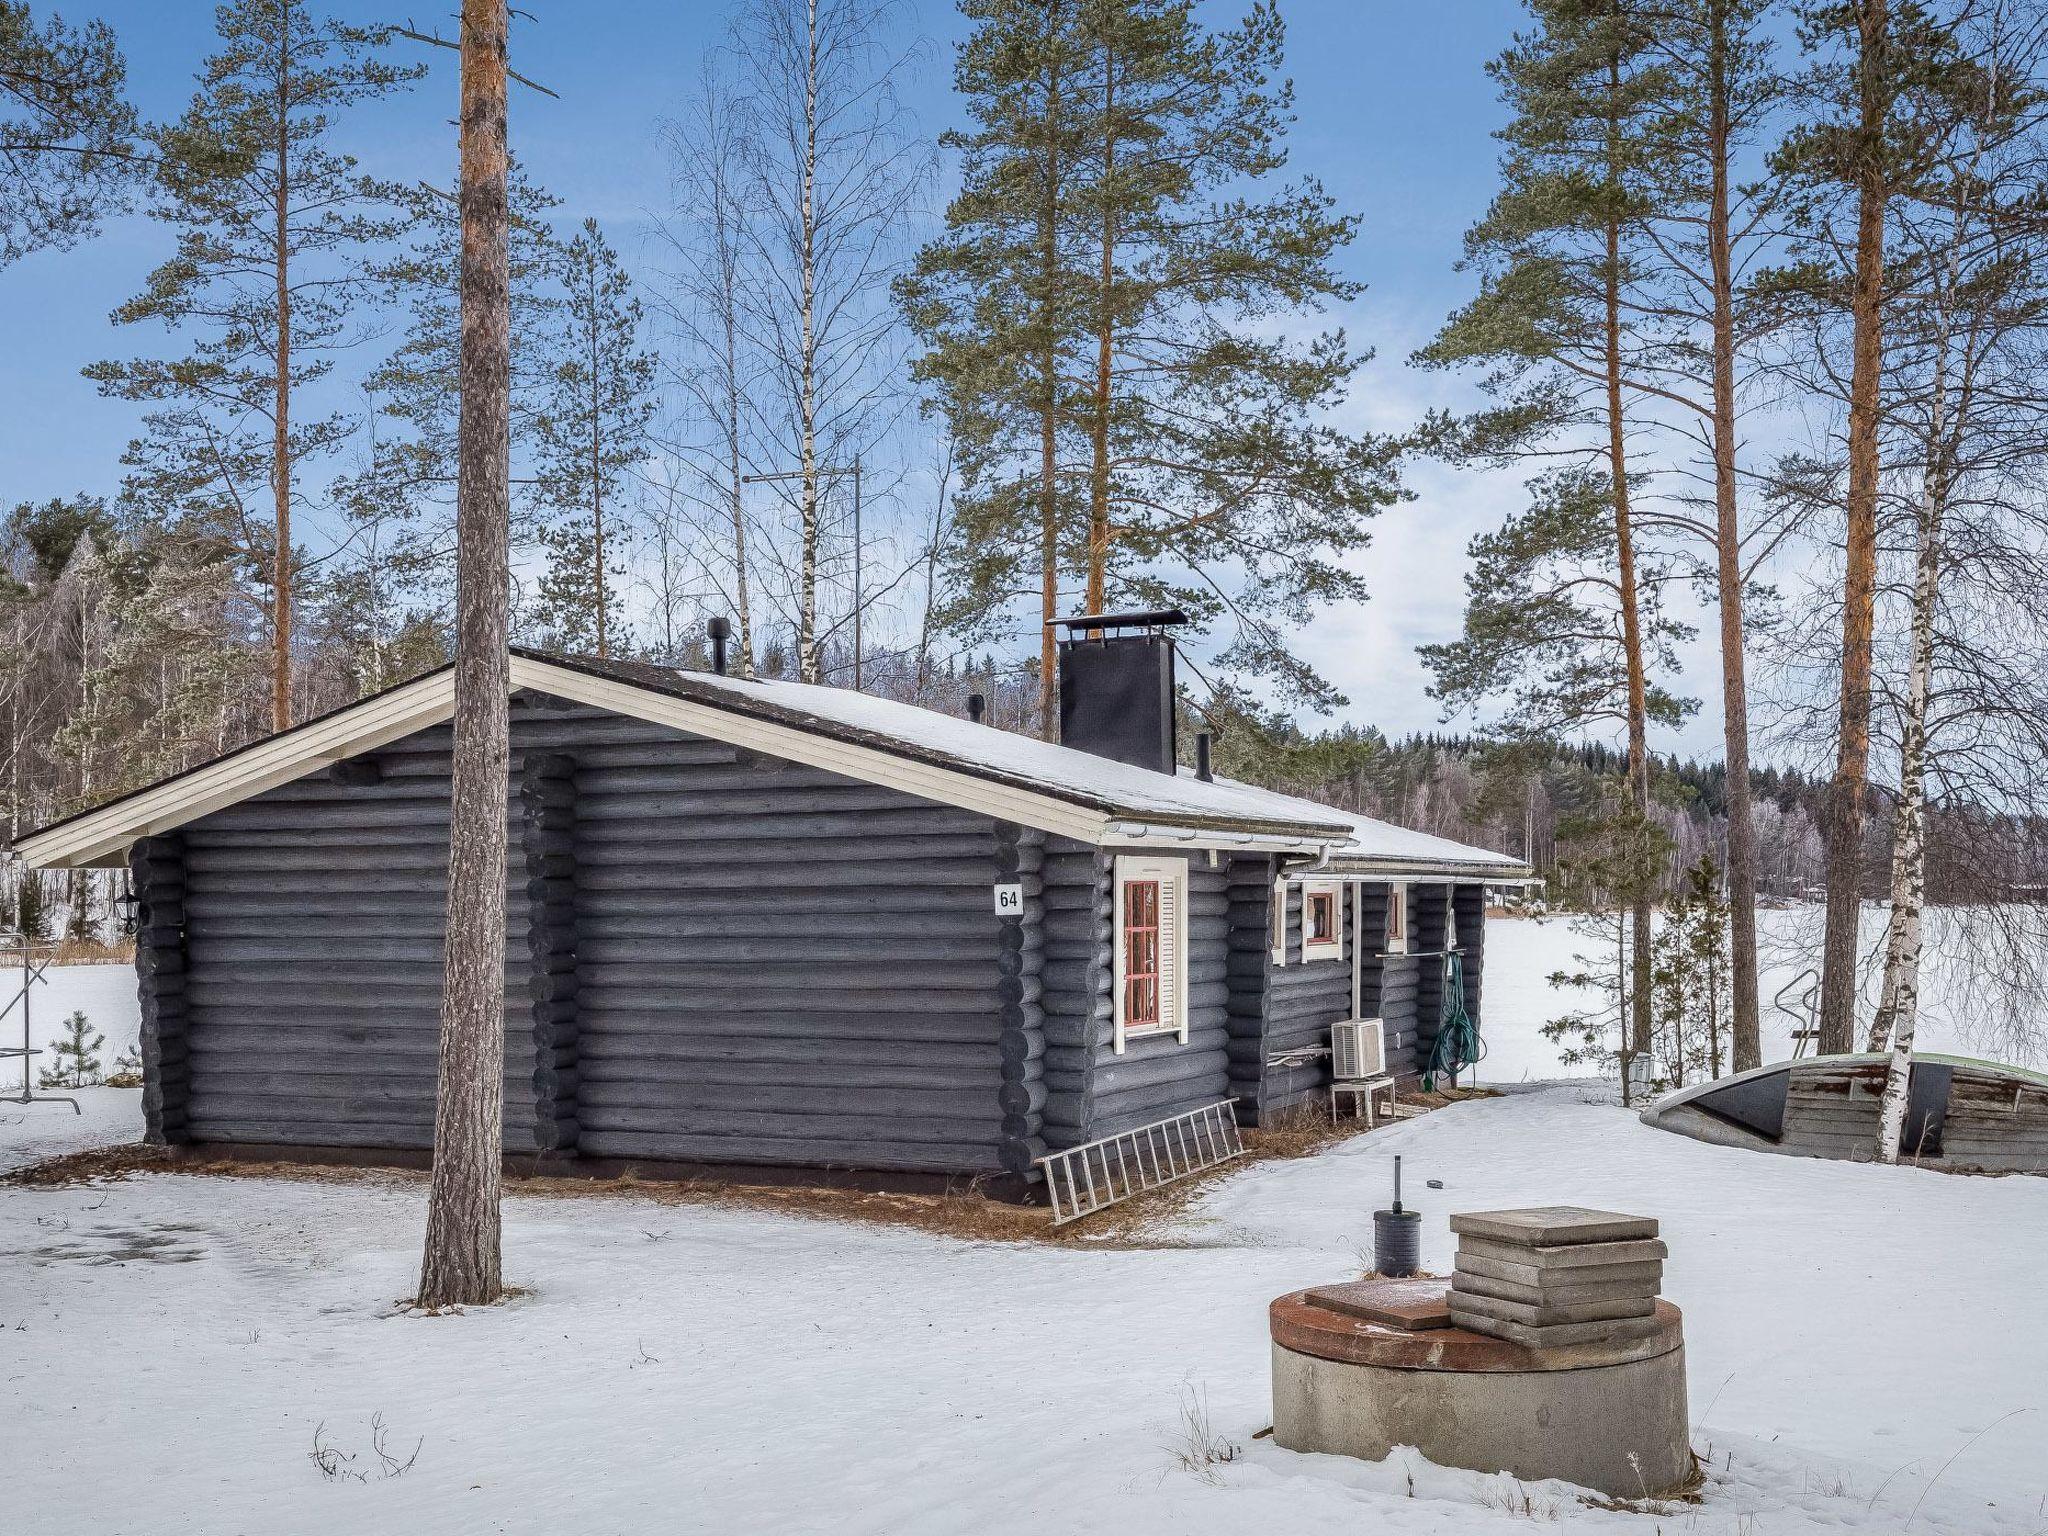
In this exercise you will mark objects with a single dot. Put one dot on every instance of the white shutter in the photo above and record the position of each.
(1173, 946)
(1279, 908)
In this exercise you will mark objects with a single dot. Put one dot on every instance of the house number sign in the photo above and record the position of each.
(1009, 901)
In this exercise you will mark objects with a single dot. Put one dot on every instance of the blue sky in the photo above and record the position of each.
(1395, 116)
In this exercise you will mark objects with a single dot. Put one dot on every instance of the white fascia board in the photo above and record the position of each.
(96, 837)
(101, 836)
(928, 781)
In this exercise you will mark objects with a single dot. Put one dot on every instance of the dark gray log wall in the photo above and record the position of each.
(781, 965)
(156, 871)
(1251, 941)
(1428, 905)
(1387, 987)
(1075, 917)
(1470, 903)
(547, 797)
(1303, 999)
(314, 916)
(716, 958)
(1020, 858)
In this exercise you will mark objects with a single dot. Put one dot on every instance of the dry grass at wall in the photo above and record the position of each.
(85, 952)
(967, 1215)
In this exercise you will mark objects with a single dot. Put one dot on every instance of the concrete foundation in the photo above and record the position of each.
(1608, 1416)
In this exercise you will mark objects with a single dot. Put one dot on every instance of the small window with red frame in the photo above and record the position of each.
(1141, 956)
(1322, 917)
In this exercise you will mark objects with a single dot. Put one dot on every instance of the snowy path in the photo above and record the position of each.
(686, 1369)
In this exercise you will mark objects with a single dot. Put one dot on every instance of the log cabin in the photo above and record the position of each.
(761, 925)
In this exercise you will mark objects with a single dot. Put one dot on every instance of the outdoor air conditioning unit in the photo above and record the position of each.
(1358, 1049)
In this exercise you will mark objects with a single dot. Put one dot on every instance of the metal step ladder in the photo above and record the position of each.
(1085, 1179)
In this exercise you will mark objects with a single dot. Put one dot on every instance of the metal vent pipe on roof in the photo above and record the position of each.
(719, 628)
(976, 704)
(1202, 741)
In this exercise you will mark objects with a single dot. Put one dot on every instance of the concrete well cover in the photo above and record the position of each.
(1409, 1303)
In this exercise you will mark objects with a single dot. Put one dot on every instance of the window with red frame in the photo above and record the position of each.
(1141, 956)
(1322, 917)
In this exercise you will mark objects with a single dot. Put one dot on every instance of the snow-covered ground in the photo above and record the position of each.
(1868, 1348)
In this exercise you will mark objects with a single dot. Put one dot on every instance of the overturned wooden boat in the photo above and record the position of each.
(1960, 1113)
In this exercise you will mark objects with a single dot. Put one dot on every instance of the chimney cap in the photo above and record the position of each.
(1157, 618)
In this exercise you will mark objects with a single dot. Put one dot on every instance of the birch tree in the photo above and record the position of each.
(1970, 346)
(836, 171)
(274, 227)
(711, 362)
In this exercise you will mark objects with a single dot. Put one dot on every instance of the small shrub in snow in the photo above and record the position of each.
(75, 1064)
(339, 1466)
(127, 1071)
(1198, 1448)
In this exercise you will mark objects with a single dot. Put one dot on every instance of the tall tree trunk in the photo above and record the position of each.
(462, 1264)
(1900, 1010)
(1859, 586)
(739, 512)
(1098, 428)
(281, 441)
(1742, 857)
(597, 471)
(1640, 1038)
(1049, 382)
(809, 667)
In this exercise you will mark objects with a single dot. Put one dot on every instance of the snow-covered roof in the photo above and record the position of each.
(1179, 799)
(937, 756)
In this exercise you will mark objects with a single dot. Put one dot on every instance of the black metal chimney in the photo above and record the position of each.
(719, 628)
(1202, 757)
(1117, 688)
(976, 704)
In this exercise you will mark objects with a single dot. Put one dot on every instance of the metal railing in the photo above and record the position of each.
(1083, 1180)
(20, 948)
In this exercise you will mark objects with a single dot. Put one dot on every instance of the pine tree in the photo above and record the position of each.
(273, 226)
(1555, 323)
(67, 136)
(462, 1261)
(998, 302)
(592, 432)
(1718, 86)
(1216, 483)
(74, 1064)
(402, 502)
(31, 916)
(1610, 865)
(1863, 142)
